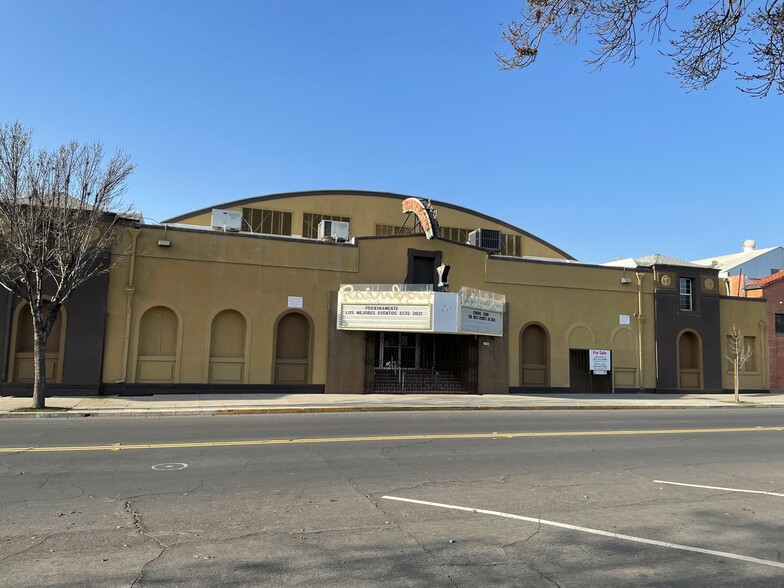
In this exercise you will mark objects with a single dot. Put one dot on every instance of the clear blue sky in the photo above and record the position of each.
(217, 101)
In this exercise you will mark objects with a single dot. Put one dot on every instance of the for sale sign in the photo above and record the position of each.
(600, 362)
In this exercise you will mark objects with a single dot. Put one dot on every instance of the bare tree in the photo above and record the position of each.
(738, 356)
(58, 222)
(700, 52)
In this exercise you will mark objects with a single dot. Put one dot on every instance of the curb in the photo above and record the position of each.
(347, 409)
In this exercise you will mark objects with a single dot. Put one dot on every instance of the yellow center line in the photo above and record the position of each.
(437, 436)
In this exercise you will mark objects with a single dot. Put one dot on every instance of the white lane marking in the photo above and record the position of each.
(719, 488)
(169, 467)
(766, 562)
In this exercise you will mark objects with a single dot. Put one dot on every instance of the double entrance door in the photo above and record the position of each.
(399, 363)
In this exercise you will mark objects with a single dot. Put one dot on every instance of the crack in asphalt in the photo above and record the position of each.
(397, 525)
(10, 469)
(375, 503)
(531, 566)
(505, 478)
(26, 549)
(476, 564)
(138, 524)
(172, 493)
(420, 485)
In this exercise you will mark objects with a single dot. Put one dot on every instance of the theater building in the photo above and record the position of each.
(367, 292)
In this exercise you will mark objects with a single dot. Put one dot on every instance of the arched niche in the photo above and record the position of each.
(293, 345)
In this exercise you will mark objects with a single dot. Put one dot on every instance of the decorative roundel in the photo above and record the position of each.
(666, 280)
(709, 283)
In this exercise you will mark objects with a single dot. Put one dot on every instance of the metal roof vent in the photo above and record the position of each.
(749, 245)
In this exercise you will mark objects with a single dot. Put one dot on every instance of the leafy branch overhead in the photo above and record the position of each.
(746, 37)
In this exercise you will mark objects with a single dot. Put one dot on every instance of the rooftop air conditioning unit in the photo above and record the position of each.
(489, 239)
(226, 220)
(331, 230)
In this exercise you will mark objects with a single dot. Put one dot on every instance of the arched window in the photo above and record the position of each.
(292, 349)
(227, 348)
(689, 361)
(534, 357)
(158, 340)
(23, 364)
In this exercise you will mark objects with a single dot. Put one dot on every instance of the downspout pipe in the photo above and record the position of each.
(130, 288)
(640, 319)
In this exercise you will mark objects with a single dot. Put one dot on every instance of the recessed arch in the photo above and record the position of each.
(625, 358)
(293, 346)
(158, 346)
(580, 336)
(534, 356)
(689, 346)
(228, 347)
(21, 366)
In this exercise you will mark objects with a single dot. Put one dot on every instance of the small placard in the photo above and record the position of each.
(624, 319)
(295, 301)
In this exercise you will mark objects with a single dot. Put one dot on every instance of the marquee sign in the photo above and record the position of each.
(394, 317)
(481, 322)
(416, 308)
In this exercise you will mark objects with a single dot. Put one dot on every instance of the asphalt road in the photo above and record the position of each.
(553, 498)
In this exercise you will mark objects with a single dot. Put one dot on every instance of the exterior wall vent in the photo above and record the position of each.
(489, 239)
(226, 220)
(331, 230)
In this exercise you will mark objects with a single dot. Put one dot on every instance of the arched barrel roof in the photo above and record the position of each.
(437, 204)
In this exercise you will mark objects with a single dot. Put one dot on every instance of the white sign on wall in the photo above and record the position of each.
(600, 362)
(295, 301)
(624, 319)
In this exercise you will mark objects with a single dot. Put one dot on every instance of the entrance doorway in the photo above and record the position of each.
(421, 363)
(581, 380)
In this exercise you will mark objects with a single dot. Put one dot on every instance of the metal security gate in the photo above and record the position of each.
(420, 363)
(581, 380)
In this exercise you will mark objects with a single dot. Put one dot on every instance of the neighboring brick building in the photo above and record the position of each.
(772, 289)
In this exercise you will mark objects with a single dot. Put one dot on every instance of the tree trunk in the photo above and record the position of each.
(736, 380)
(39, 385)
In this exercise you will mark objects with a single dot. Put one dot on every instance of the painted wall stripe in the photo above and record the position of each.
(666, 544)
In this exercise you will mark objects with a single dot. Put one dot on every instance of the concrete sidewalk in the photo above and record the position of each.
(211, 404)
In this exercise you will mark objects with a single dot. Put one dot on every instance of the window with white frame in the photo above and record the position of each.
(686, 294)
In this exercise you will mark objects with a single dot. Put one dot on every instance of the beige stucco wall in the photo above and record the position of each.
(202, 273)
(749, 317)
